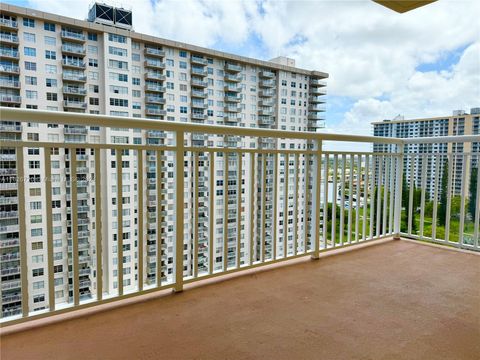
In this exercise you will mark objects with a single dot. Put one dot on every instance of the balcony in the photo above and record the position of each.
(72, 36)
(232, 88)
(233, 77)
(378, 296)
(68, 63)
(154, 52)
(154, 100)
(198, 94)
(74, 77)
(153, 75)
(199, 83)
(234, 109)
(266, 74)
(10, 99)
(71, 90)
(198, 71)
(11, 84)
(155, 111)
(9, 53)
(267, 83)
(8, 23)
(9, 38)
(154, 63)
(233, 98)
(233, 68)
(72, 104)
(199, 105)
(318, 91)
(73, 50)
(197, 60)
(266, 93)
(154, 88)
(10, 69)
(318, 82)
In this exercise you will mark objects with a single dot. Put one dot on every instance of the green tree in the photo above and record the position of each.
(442, 210)
(472, 204)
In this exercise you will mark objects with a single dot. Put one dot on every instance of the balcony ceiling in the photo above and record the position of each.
(394, 300)
(404, 5)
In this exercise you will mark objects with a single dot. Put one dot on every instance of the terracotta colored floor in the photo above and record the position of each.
(396, 300)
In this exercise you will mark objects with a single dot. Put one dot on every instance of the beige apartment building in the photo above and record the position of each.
(102, 66)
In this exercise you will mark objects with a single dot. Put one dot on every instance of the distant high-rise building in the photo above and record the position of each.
(100, 66)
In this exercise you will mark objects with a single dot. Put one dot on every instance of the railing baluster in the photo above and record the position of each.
(285, 206)
(118, 154)
(225, 211)
(350, 201)
(140, 208)
(325, 202)
(372, 193)
(386, 180)
(449, 197)
(275, 204)
(334, 200)
(252, 206)
(365, 197)
(463, 196)
(435, 197)
(342, 201)
(411, 194)
(296, 204)
(317, 164)
(392, 197)
(22, 230)
(422, 199)
(379, 196)
(211, 214)
(476, 235)
(357, 199)
(179, 208)
(48, 208)
(239, 207)
(306, 200)
(398, 192)
(159, 219)
(196, 184)
(264, 208)
(74, 205)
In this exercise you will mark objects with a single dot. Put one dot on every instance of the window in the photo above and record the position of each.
(37, 258)
(170, 62)
(29, 37)
(183, 64)
(28, 22)
(135, 57)
(37, 272)
(94, 101)
(118, 77)
(183, 98)
(136, 106)
(116, 64)
(136, 81)
(51, 96)
(93, 88)
(183, 109)
(28, 51)
(51, 83)
(92, 49)
(119, 89)
(50, 69)
(49, 54)
(32, 66)
(118, 102)
(183, 53)
(112, 50)
(38, 285)
(51, 41)
(93, 75)
(117, 38)
(92, 36)
(136, 93)
(170, 85)
(30, 80)
(31, 94)
(49, 26)
(93, 62)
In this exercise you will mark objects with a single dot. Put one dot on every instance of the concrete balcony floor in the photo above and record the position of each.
(392, 300)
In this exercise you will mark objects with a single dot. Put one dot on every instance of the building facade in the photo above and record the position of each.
(50, 62)
(459, 123)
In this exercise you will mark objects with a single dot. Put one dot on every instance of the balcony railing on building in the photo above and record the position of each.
(205, 210)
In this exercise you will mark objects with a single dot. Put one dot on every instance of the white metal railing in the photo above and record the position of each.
(184, 193)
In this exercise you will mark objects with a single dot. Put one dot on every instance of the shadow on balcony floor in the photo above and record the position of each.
(396, 300)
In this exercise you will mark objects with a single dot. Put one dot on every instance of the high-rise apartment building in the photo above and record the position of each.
(101, 66)
(459, 123)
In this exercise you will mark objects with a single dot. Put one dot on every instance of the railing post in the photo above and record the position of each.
(398, 193)
(179, 209)
(317, 166)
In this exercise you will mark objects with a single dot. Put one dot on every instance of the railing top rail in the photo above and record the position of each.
(443, 139)
(56, 117)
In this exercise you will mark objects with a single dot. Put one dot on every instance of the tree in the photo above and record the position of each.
(442, 210)
(472, 204)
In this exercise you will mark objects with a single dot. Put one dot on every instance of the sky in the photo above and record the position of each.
(380, 63)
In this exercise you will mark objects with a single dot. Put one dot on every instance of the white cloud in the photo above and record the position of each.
(370, 52)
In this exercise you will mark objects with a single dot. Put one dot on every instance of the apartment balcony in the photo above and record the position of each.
(74, 77)
(198, 71)
(266, 102)
(317, 108)
(199, 83)
(10, 84)
(155, 88)
(233, 68)
(199, 116)
(233, 77)
(154, 52)
(75, 50)
(317, 91)
(266, 93)
(267, 83)
(232, 118)
(67, 63)
(71, 104)
(316, 124)
(155, 111)
(72, 36)
(316, 100)
(71, 90)
(9, 38)
(10, 99)
(8, 23)
(233, 88)
(154, 100)
(198, 94)
(233, 98)
(372, 276)
(266, 120)
(9, 53)
(199, 105)
(266, 74)
(152, 75)
(197, 60)
(317, 82)
(9, 69)
(154, 64)
(265, 112)
(234, 109)
(5, 244)
(8, 200)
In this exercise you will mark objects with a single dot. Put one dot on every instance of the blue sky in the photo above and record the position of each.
(421, 63)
